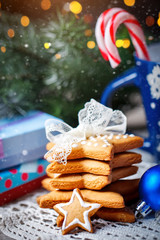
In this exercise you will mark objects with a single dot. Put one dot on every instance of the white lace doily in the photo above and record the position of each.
(24, 219)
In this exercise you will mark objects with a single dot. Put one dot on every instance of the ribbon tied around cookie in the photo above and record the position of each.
(94, 119)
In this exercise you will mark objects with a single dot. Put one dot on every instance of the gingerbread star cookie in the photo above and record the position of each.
(76, 212)
(100, 147)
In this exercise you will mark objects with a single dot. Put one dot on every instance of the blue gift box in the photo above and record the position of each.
(23, 139)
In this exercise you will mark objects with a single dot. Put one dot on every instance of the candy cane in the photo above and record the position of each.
(100, 29)
(136, 34)
(108, 22)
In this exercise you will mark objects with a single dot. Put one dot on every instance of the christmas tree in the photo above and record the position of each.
(52, 65)
(23, 62)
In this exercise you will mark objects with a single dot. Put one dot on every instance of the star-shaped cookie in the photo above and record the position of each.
(76, 212)
(99, 147)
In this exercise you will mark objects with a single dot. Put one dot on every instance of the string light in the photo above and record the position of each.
(88, 32)
(47, 45)
(75, 7)
(25, 21)
(91, 44)
(119, 43)
(129, 3)
(45, 4)
(126, 43)
(158, 20)
(3, 49)
(57, 56)
(11, 33)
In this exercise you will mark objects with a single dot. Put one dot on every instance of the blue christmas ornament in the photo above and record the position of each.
(149, 191)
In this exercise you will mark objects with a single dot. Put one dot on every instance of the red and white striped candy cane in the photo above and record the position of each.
(136, 34)
(105, 31)
(100, 29)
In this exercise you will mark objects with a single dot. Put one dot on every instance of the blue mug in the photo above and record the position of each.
(146, 76)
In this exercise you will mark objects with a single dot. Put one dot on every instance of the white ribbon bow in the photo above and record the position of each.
(95, 119)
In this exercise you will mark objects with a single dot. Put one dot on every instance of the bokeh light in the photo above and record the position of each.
(129, 3)
(47, 45)
(88, 18)
(91, 44)
(126, 43)
(45, 4)
(75, 7)
(3, 49)
(25, 21)
(158, 21)
(66, 7)
(88, 33)
(57, 55)
(119, 43)
(150, 38)
(11, 33)
(150, 21)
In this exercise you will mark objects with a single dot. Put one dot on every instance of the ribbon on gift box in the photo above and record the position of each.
(95, 119)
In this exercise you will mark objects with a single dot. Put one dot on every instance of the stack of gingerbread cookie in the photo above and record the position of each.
(96, 166)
